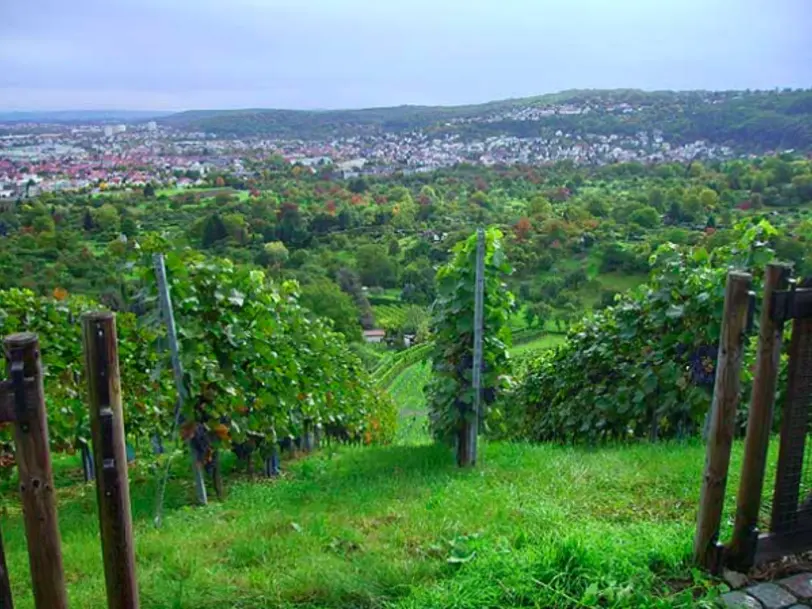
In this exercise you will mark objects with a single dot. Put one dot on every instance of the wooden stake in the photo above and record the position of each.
(110, 458)
(5, 585)
(759, 423)
(723, 417)
(36, 476)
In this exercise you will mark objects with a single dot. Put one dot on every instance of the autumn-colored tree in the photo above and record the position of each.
(523, 228)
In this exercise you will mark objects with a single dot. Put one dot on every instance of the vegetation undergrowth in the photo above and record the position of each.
(401, 526)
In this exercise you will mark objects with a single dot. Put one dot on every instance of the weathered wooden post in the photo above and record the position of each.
(469, 427)
(759, 422)
(723, 418)
(5, 585)
(36, 476)
(795, 414)
(110, 457)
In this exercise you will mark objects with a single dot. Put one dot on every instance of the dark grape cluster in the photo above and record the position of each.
(702, 363)
(201, 444)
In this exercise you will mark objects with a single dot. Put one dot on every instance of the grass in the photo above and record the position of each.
(407, 391)
(620, 282)
(390, 315)
(543, 342)
(401, 527)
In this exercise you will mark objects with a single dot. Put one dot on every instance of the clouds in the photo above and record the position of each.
(156, 54)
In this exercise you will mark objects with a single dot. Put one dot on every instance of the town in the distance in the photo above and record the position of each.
(108, 151)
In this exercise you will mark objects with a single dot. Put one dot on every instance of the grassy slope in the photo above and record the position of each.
(543, 342)
(400, 526)
(407, 391)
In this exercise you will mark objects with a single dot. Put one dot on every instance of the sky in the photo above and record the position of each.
(186, 54)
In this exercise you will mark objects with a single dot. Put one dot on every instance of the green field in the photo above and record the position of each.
(544, 342)
(242, 195)
(407, 391)
(401, 526)
(389, 315)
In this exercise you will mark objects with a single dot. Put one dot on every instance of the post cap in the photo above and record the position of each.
(20, 340)
(92, 316)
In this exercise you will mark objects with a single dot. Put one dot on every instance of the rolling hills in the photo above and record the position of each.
(755, 120)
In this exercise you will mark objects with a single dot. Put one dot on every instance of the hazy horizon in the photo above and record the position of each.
(209, 54)
(157, 112)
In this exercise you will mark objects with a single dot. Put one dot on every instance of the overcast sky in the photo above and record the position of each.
(182, 54)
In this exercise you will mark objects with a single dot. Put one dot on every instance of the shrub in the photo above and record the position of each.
(646, 365)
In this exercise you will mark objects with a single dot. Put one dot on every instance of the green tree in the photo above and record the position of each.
(350, 283)
(275, 254)
(106, 217)
(326, 299)
(375, 267)
(657, 199)
(692, 208)
(540, 207)
(214, 231)
(598, 207)
(129, 226)
(236, 227)
(43, 224)
(538, 314)
(647, 217)
(709, 199)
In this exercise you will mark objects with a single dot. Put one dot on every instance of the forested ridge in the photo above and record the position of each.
(752, 120)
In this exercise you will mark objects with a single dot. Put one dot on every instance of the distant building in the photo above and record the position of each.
(108, 131)
(374, 336)
(152, 126)
(119, 128)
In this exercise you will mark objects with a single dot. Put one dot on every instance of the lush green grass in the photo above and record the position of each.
(620, 282)
(407, 391)
(389, 315)
(400, 526)
(543, 342)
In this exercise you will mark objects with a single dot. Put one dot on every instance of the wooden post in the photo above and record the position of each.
(759, 422)
(469, 427)
(110, 458)
(36, 476)
(723, 417)
(5, 585)
(794, 424)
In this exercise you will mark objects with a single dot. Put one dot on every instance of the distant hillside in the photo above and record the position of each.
(751, 120)
(81, 116)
